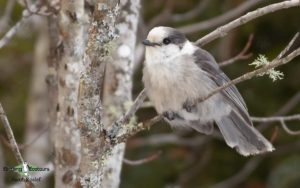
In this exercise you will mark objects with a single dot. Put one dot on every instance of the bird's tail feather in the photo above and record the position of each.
(243, 137)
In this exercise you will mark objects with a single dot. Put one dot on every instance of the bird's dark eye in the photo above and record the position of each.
(166, 41)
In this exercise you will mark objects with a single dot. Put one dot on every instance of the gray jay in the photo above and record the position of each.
(177, 73)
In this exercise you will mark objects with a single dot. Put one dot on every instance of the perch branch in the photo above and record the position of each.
(222, 19)
(242, 55)
(276, 118)
(223, 30)
(140, 127)
(249, 75)
(12, 140)
(288, 130)
(142, 161)
(200, 7)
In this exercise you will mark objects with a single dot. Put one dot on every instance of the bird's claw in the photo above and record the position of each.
(169, 115)
(189, 106)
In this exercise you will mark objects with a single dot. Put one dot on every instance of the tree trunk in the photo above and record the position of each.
(110, 50)
(70, 55)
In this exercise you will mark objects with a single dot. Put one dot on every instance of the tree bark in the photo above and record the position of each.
(70, 55)
(110, 51)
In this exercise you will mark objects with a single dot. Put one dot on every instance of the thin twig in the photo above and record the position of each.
(223, 30)
(249, 75)
(239, 177)
(4, 20)
(135, 106)
(10, 136)
(142, 161)
(289, 105)
(276, 118)
(12, 140)
(283, 52)
(163, 139)
(163, 16)
(13, 30)
(286, 129)
(222, 19)
(251, 165)
(242, 55)
(28, 144)
(140, 127)
(199, 8)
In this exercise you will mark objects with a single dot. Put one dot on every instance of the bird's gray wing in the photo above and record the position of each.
(236, 127)
(232, 96)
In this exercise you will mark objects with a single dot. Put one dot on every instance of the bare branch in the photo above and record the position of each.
(7, 37)
(242, 55)
(249, 75)
(290, 104)
(163, 16)
(10, 136)
(214, 22)
(190, 14)
(223, 30)
(135, 106)
(239, 177)
(25, 145)
(289, 131)
(162, 139)
(142, 161)
(34, 9)
(12, 140)
(4, 20)
(276, 118)
(283, 52)
(134, 130)
(251, 165)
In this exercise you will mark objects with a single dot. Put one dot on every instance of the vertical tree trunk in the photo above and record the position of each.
(118, 83)
(67, 135)
(110, 49)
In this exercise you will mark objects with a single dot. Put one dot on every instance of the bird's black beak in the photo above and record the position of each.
(147, 43)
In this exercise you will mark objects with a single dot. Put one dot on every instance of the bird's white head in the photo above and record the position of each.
(163, 43)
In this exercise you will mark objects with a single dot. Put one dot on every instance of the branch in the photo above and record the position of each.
(27, 13)
(239, 177)
(251, 165)
(282, 120)
(223, 30)
(4, 20)
(28, 144)
(135, 129)
(190, 14)
(135, 106)
(249, 75)
(163, 16)
(7, 37)
(222, 19)
(276, 118)
(242, 55)
(142, 161)
(12, 140)
(289, 131)
(162, 139)
(289, 105)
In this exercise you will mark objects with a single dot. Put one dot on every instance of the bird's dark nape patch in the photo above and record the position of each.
(176, 37)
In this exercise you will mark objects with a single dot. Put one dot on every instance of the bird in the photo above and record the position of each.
(177, 73)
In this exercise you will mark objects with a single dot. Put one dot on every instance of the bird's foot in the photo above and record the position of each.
(189, 106)
(170, 115)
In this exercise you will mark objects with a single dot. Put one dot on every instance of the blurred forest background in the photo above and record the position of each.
(187, 159)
